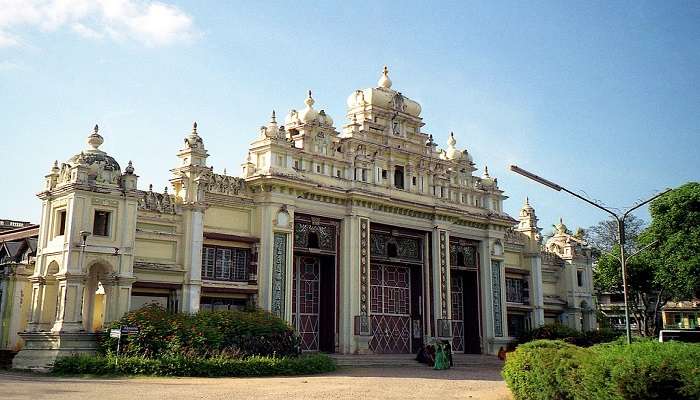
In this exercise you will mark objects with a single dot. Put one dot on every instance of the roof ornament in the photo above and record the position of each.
(95, 140)
(129, 168)
(194, 128)
(430, 142)
(486, 171)
(150, 187)
(273, 118)
(384, 80)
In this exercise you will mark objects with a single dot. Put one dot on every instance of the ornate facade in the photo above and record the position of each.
(367, 238)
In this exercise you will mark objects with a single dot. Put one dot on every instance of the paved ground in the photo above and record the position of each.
(346, 383)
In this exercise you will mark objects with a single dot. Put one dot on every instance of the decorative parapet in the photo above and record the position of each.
(158, 202)
(514, 237)
(551, 258)
(224, 184)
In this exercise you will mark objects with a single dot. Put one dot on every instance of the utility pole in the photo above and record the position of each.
(620, 229)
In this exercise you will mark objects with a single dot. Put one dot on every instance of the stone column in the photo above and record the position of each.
(536, 291)
(193, 287)
(37, 301)
(118, 298)
(69, 307)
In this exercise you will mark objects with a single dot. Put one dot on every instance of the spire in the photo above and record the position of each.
(97, 128)
(486, 171)
(273, 118)
(194, 128)
(309, 100)
(384, 80)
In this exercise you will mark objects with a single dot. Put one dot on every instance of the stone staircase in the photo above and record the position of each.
(409, 360)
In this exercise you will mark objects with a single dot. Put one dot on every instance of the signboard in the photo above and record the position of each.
(115, 333)
(129, 330)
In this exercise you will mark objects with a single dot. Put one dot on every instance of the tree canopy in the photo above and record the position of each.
(675, 229)
(668, 269)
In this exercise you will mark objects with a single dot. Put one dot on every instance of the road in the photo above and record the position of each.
(472, 382)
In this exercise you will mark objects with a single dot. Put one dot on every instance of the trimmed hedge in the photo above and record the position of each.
(562, 332)
(219, 366)
(208, 333)
(544, 370)
(555, 370)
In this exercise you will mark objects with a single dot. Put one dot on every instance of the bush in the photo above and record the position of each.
(244, 333)
(643, 370)
(562, 332)
(557, 370)
(544, 370)
(180, 365)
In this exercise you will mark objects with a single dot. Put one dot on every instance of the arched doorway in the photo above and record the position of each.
(95, 298)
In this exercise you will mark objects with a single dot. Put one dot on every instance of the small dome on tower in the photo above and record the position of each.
(308, 114)
(384, 80)
(101, 166)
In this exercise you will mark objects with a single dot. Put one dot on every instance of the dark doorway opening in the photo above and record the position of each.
(466, 329)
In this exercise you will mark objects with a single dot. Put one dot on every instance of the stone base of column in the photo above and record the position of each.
(41, 349)
(362, 345)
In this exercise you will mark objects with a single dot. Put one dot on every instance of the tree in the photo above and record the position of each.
(675, 230)
(668, 269)
(603, 235)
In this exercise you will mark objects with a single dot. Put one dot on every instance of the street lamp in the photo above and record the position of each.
(620, 229)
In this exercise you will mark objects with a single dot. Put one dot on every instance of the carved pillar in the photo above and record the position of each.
(441, 277)
(279, 274)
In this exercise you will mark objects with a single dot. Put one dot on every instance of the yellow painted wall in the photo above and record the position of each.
(227, 220)
(158, 250)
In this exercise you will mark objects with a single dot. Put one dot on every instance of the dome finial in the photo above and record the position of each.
(309, 100)
(273, 118)
(384, 80)
(194, 127)
(95, 140)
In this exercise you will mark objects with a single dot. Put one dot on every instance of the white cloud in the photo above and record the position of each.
(152, 23)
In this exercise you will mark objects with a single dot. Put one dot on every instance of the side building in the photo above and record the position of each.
(367, 239)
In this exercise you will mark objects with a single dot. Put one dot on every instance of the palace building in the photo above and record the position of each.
(367, 238)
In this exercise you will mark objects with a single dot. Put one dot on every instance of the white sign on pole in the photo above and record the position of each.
(115, 333)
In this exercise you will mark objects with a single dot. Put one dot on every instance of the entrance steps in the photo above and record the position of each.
(376, 360)
(409, 360)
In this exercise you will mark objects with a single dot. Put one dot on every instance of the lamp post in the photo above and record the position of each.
(620, 218)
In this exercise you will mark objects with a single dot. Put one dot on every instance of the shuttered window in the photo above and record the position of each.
(225, 263)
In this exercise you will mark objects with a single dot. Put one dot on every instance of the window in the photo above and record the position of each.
(318, 169)
(516, 290)
(100, 225)
(516, 325)
(398, 177)
(296, 164)
(61, 223)
(226, 264)
(579, 278)
(219, 304)
(339, 173)
(384, 174)
(414, 181)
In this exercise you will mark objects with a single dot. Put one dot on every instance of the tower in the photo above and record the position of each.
(189, 180)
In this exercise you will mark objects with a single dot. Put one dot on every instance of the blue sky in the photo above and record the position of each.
(598, 96)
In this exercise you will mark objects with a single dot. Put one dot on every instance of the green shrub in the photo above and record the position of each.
(181, 365)
(563, 332)
(644, 370)
(161, 333)
(544, 370)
